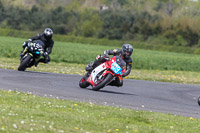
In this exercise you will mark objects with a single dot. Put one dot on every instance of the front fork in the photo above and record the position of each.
(105, 72)
(32, 61)
(25, 50)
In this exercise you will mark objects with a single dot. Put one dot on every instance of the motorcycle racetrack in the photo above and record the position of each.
(173, 98)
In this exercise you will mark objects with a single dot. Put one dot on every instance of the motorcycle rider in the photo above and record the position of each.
(46, 38)
(125, 53)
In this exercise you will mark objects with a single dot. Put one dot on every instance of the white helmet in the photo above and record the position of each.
(48, 33)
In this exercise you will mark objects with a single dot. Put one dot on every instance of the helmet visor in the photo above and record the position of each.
(128, 53)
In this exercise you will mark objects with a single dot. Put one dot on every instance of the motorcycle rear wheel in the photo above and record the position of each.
(23, 64)
(103, 83)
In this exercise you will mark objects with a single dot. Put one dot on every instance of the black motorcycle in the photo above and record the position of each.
(33, 53)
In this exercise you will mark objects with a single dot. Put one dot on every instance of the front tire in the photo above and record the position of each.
(83, 83)
(23, 65)
(103, 83)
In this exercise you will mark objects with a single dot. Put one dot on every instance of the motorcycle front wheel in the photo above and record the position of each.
(83, 83)
(23, 65)
(103, 83)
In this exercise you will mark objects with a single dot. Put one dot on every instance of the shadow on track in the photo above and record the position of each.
(36, 72)
(111, 92)
(114, 92)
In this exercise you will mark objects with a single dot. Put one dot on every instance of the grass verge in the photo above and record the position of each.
(185, 77)
(24, 112)
(84, 53)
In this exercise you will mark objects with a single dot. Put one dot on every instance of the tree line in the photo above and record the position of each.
(174, 22)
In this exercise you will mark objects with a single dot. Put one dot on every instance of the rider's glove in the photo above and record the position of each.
(102, 57)
(106, 57)
(24, 45)
(106, 52)
(98, 57)
(30, 49)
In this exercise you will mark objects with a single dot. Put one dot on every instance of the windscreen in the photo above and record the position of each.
(120, 61)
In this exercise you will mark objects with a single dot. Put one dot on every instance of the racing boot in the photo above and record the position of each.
(36, 63)
(89, 67)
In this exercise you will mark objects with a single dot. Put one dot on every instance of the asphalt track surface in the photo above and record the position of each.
(176, 99)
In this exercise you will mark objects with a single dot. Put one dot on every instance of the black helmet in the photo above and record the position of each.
(48, 33)
(127, 50)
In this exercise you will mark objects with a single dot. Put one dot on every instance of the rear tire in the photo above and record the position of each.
(83, 83)
(103, 83)
(23, 64)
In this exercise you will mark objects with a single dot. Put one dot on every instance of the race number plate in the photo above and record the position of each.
(116, 68)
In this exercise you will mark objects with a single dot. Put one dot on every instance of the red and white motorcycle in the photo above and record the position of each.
(105, 73)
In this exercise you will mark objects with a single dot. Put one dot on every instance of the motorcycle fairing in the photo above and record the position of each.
(116, 68)
(93, 76)
(104, 68)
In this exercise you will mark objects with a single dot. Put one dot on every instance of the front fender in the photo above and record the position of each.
(30, 54)
(89, 80)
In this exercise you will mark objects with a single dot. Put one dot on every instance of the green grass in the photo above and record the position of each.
(24, 112)
(82, 54)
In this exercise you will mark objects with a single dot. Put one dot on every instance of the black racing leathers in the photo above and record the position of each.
(47, 48)
(47, 42)
(127, 60)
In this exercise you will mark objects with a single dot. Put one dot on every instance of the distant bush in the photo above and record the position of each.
(172, 22)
